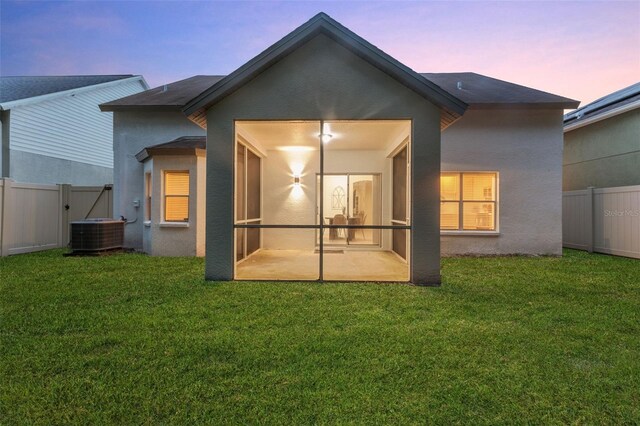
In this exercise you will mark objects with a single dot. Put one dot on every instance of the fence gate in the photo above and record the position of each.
(36, 217)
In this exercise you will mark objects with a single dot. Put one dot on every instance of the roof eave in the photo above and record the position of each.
(49, 96)
(147, 153)
(525, 105)
(322, 24)
(576, 123)
(162, 107)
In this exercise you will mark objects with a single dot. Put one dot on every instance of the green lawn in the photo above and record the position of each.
(133, 339)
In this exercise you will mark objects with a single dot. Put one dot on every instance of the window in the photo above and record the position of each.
(147, 196)
(176, 196)
(468, 201)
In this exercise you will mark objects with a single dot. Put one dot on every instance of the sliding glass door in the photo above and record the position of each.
(351, 199)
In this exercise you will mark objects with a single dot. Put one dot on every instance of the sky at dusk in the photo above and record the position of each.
(579, 49)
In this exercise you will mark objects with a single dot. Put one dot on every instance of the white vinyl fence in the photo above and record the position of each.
(36, 217)
(604, 220)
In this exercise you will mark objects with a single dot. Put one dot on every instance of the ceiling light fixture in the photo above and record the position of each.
(326, 137)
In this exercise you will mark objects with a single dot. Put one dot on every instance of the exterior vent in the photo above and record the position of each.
(93, 235)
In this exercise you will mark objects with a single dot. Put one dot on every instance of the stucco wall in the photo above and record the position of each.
(133, 131)
(176, 238)
(603, 154)
(322, 80)
(525, 148)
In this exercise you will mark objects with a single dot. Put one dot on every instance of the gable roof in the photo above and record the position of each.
(172, 96)
(13, 88)
(324, 24)
(610, 105)
(184, 145)
(483, 92)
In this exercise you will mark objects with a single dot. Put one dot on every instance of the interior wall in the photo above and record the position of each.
(331, 184)
(286, 204)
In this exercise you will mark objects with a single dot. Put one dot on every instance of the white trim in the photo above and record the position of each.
(49, 96)
(163, 197)
(398, 140)
(398, 145)
(611, 113)
(615, 189)
(173, 224)
(461, 201)
(251, 142)
(471, 233)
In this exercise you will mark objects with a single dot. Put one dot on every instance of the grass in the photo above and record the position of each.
(131, 339)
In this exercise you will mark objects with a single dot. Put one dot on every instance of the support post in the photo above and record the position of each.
(6, 217)
(589, 219)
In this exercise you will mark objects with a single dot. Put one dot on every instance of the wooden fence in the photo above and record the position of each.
(36, 217)
(604, 220)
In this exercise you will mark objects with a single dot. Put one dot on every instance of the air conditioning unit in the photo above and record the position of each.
(94, 235)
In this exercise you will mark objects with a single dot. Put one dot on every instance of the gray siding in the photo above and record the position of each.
(525, 148)
(5, 117)
(27, 167)
(603, 154)
(71, 126)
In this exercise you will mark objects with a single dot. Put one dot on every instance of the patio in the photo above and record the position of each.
(339, 264)
(291, 177)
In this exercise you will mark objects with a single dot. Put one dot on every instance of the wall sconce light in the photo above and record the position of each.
(326, 137)
(296, 180)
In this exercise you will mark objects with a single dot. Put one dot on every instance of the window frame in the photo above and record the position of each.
(461, 201)
(165, 196)
(148, 188)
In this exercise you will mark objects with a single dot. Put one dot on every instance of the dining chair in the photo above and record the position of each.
(340, 219)
(362, 216)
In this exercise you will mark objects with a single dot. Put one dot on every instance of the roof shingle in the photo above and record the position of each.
(169, 96)
(480, 91)
(13, 88)
(476, 90)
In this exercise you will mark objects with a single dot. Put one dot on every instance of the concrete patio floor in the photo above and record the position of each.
(346, 265)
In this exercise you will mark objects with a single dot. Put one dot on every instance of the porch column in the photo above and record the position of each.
(425, 202)
(219, 230)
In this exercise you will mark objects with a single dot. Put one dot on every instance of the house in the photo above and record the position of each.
(327, 159)
(52, 130)
(602, 142)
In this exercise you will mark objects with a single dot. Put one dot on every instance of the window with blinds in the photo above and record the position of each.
(468, 201)
(176, 196)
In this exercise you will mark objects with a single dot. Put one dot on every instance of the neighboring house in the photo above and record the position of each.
(602, 142)
(601, 175)
(326, 159)
(53, 131)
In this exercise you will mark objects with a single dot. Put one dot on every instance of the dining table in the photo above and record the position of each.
(351, 232)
